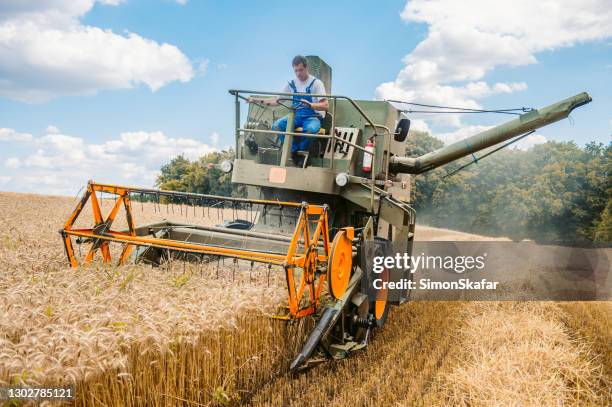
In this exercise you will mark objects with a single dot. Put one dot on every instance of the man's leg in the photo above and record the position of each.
(298, 121)
(310, 125)
(280, 125)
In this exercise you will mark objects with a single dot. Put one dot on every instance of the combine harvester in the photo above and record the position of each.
(322, 222)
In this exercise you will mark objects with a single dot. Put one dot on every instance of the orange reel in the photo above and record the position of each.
(340, 262)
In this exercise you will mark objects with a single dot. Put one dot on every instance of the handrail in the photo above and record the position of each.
(112, 189)
(386, 129)
(291, 133)
(236, 93)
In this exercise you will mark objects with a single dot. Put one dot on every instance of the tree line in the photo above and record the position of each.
(556, 191)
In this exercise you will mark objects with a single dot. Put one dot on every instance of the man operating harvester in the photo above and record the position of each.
(309, 110)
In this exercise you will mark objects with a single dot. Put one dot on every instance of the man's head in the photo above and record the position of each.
(300, 67)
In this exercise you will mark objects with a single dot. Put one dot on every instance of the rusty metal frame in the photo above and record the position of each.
(308, 252)
(102, 229)
(310, 261)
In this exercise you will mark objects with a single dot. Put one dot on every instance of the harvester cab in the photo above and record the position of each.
(345, 165)
(321, 215)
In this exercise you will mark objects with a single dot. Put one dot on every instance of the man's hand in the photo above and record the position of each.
(322, 105)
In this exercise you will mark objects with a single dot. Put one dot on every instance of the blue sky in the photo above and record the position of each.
(231, 44)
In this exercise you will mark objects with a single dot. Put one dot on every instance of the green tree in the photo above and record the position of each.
(183, 175)
(553, 191)
(603, 227)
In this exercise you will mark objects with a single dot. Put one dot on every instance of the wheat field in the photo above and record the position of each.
(200, 334)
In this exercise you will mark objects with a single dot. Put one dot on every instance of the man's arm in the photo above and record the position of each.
(322, 104)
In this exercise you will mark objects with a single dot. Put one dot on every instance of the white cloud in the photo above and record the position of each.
(181, 2)
(203, 66)
(45, 51)
(12, 135)
(111, 2)
(446, 95)
(51, 129)
(214, 138)
(12, 162)
(4, 179)
(221, 66)
(529, 141)
(466, 40)
(60, 163)
(419, 125)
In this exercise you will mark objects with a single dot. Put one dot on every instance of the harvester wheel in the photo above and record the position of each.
(340, 262)
(380, 305)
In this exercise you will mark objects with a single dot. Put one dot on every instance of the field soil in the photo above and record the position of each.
(185, 334)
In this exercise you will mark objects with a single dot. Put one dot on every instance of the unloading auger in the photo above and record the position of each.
(322, 222)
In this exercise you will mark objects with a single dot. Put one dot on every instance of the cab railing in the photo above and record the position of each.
(239, 94)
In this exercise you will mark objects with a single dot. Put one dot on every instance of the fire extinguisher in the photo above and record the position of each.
(367, 158)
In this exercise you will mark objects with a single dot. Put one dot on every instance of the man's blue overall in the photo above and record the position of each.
(305, 117)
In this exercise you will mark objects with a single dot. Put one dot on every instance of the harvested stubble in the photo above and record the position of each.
(133, 335)
(467, 354)
(523, 354)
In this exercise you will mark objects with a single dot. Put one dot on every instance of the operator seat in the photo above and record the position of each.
(318, 145)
